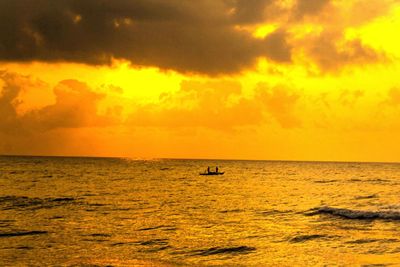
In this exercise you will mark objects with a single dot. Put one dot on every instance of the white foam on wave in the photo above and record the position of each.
(357, 214)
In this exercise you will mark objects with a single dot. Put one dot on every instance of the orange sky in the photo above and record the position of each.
(234, 79)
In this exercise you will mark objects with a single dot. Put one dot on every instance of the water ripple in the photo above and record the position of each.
(225, 250)
(304, 238)
(23, 202)
(26, 233)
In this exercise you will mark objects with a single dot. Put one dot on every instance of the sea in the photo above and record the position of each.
(71, 211)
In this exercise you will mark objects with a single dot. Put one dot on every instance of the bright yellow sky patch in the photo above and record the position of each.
(263, 30)
(383, 33)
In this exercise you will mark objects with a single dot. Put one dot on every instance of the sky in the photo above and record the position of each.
(222, 79)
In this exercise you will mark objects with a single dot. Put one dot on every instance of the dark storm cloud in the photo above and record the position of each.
(187, 36)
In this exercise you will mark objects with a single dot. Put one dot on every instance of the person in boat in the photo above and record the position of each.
(208, 169)
(216, 169)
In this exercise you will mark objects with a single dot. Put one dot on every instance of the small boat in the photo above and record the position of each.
(211, 173)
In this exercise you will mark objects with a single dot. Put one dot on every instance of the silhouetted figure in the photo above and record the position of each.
(208, 169)
(216, 169)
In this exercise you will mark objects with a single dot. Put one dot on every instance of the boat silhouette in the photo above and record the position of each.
(211, 173)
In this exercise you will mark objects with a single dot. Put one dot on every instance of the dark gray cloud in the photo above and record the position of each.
(184, 35)
(308, 7)
(187, 36)
(330, 57)
(250, 11)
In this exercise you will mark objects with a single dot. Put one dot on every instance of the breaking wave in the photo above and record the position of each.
(356, 214)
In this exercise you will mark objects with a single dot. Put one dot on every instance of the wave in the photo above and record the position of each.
(148, 246)
(24, 247)
(100, 235)
(155, 249)
(159, 227)
(373, 181)
(123, 244)
(366, 197)
(356, 214)
(4, 223)
(62, 199)
(231, 211)
(355, 180)
(366, 241)
(23, 202)
(226, 250)
(154, 242)
(23, 233)
(275, 211)
(325, 181)
(303, 238)
(16, 172)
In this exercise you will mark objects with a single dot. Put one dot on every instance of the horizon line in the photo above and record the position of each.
(205, 159)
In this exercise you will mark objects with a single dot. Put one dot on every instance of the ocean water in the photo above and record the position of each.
(57, 211)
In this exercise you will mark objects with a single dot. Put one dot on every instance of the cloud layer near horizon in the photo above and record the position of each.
(207, 37)
(219, 105)
(79, 120)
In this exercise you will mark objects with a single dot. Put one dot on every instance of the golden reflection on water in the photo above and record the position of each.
(77, 211)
